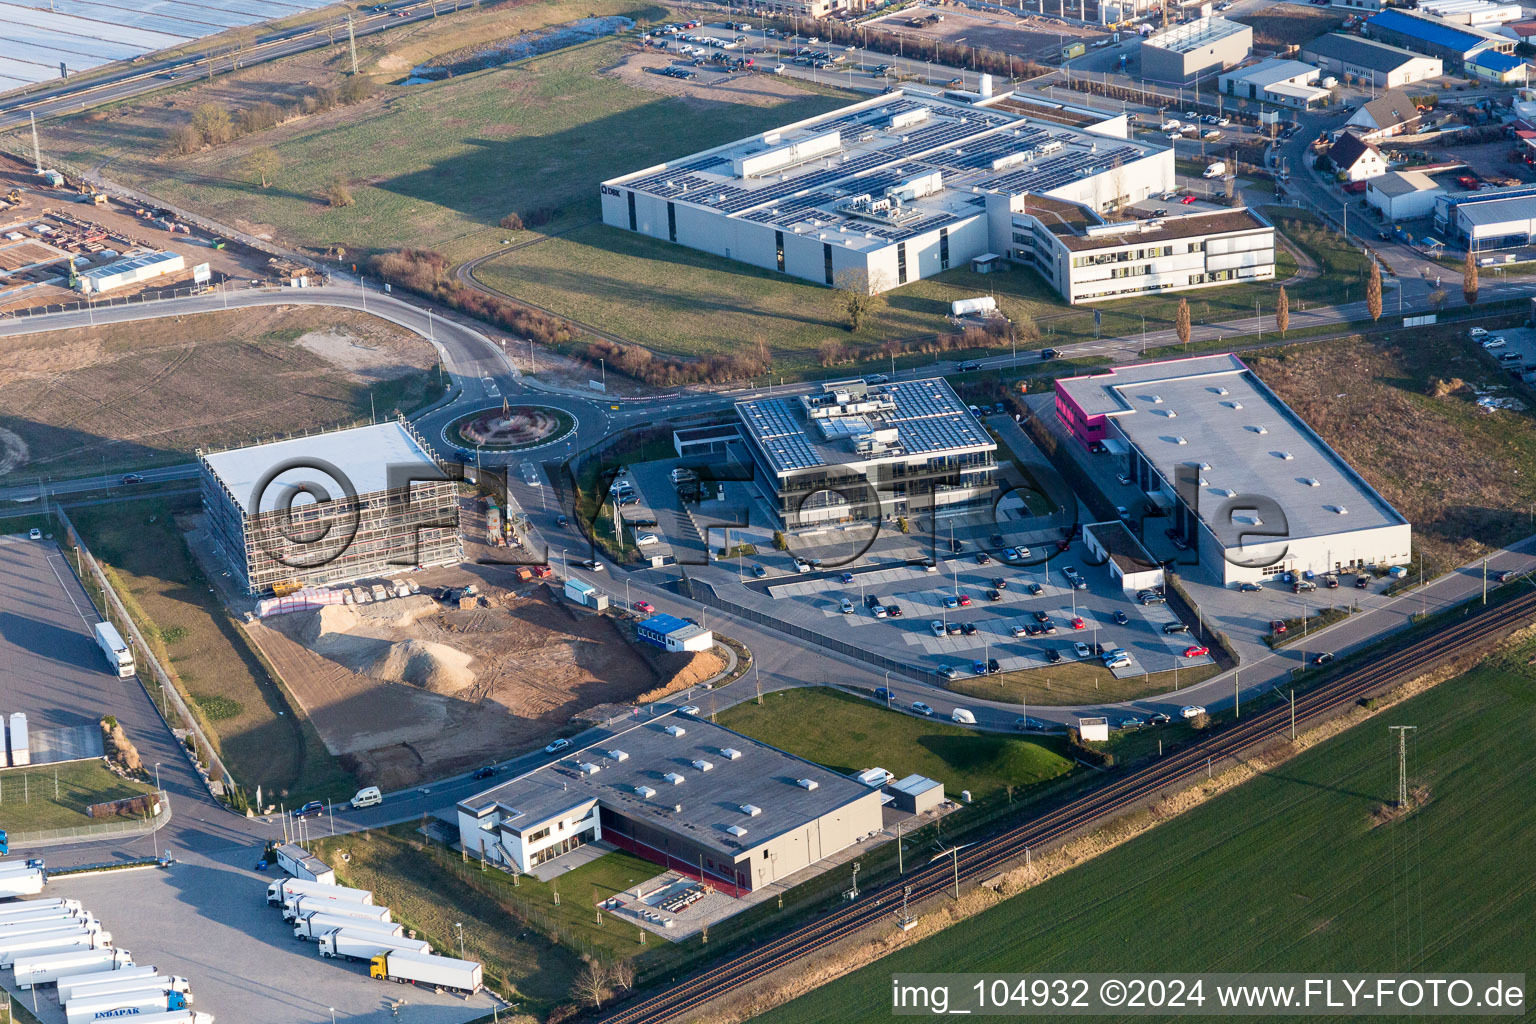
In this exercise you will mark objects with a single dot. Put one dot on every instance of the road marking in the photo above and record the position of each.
(63, 586)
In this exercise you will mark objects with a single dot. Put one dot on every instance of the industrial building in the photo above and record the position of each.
(1370, 61)
(130, 270)
(1403, 195)
(1455, 45)
(1356, 159)
(690, 795)
(1128, 561)
(1494, 218)
(330, 508)
(1087, 259)
(881, 193)
(671, 633)
(855, 451)
(1501, 68)
(1249, 486)
(1482, 13)
(1288, 83)
(1183, 54)
(1394, 112)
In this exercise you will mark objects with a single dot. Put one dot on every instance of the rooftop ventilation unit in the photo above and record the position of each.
(1287, 456)
(1171, 414)
(1259, 428)
(1226, 492)
(674, 778)
(677, 809)
(677, 730)
(645, 791)
(1221, 391)
(1180, 440)
(1338, 510)
(703, 766)
(1157, 399)
(588, 768)
(730, 753)
(806, 784)
(736, 830)
(1311, 481)
(751, 810)
(1234, 404)
(618, 755)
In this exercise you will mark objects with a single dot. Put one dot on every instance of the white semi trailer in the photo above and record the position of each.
(74, 963)
(128, 1004)
(312, 926)
(33, 927)
(310, 904)
(130, 987)
(69, 988)
(52, 942)
(279, 893)
(422, 969)
(33, 906)
(366, 945)
(25, 882)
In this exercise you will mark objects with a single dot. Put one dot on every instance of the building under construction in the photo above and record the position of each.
(330, 508)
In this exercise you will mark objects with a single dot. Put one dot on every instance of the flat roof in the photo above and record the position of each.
(877, 422)
(1362, 52)
(1402, 183)
(363, 455)
(912, 785)
(1162, 229)
(1195, 34)
(760, 776)
(1464, 38)
(833, 177)
(1271, 71)
(1493, 60)
(1122, 546)
(1213, 412)
(663, 624)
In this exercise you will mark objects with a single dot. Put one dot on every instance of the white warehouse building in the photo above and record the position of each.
(1249, 487)
(889, 190)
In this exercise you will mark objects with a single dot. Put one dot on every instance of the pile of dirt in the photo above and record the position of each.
(692, 669)
(366, 640)
(120, 748)
(432, 666)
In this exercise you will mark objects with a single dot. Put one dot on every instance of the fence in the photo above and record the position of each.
(102, 830)
(216, 776)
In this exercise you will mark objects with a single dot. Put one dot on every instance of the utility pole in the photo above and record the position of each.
(1237, 697)
(37, 152)
(352, 43)
(1293, 716)
(1402, 761)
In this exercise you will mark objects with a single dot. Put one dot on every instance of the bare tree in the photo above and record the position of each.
(213, 123)
(1373, 292)
(831, 352)
(590, 985)
(1282, 312)
(262, 164)
(1181, 321)
(1469, 279)
(1437, 299)
(338, 193)
(857, 296)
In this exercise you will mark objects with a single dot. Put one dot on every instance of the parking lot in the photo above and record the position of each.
(207, 920)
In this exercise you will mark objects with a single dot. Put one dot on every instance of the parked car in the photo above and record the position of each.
(922, 709)
(883, 693)
(965, 600)
(1188, 199)
(1158, 718)
(953, 629)
(998, 583)
(1078, 623)
(951, 602)
(893, 611)
(1250, 588)
(845, 606)
(1022, 631)
(1322, 659)
(1196, 651)
(937, 627)
(949, 672)
(646, 607)
(1276, 626)
(978, 667)
(993, 667)
(759, 571)
(489, 771)
(646, 539)
(34, 534)
(1082, 650)
(982, 558)
(557, 746)
(968, 628)
(1130, 723)
(1042, 617)
(1191, 711)
(1074, 577)
(846, 578)
(1028, 722)
(1175, 627)
(1021, 551)
(1362, 581)
(994, 594)
(689, 709)
(1053, 656)
(313, 809)
(1034, 589)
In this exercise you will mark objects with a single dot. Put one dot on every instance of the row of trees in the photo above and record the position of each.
(426, 273)
(213, 124)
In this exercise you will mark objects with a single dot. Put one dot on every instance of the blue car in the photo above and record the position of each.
(313, 809)
(847, 578)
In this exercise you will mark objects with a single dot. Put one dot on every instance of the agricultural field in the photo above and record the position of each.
(1283, 25)
(56, 795)
(1301, 869)
(1358, 392)
(849, 734)
(143, 394)
(243, 709)
(435, 165)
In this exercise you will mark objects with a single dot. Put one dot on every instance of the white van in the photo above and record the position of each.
(963, 716)
(368, 796)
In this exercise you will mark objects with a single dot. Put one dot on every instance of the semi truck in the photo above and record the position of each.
(41, 914)
(103, 981)
(355, 945)
(314, 904)
(421, 969)
(281, 892)
(21, 747)
(312, 926)
(13, 929)
(119, 657)
(75, 963)
(131, 987)
(129, 1004)
(25, 883)
(52, 942)
(300, 863)
(33, 906)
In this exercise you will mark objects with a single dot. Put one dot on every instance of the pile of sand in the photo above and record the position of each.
(366, 639)
(431, 666)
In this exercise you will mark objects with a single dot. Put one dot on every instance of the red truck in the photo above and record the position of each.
(543, 572)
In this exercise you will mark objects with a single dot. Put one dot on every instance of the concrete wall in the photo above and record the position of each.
(1181, 67)
(819, 838)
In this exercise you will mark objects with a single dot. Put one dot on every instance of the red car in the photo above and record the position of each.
(1078, 623)
(645, 606)
(965, 600)
(1277, 627)
(543, 572)
(1195, 652)
(1187, 200)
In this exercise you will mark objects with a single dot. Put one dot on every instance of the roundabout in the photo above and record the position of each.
(510, 428)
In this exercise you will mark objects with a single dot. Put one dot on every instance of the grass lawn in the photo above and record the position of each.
(56, 796)
(848, 734)
(1290, 872)
(423, 890)
(1075, 682)
(260, 735)
(438, 165)
(1465, 478)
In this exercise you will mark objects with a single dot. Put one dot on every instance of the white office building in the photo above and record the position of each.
(1248, 486)
(1403, 195)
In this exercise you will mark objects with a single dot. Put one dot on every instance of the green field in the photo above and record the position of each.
(848, 734)
(56, 796)
(259, 736)
(1290, 872)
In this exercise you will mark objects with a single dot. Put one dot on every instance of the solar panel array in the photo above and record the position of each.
(929, 418)
(775, 428)
(1044, 175)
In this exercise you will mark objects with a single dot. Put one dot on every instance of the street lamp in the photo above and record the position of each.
(460, 926)
(887, 689)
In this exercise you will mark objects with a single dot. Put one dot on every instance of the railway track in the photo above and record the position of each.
(992, 854)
